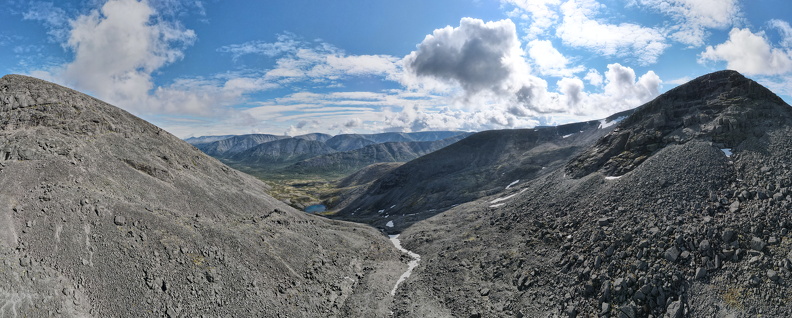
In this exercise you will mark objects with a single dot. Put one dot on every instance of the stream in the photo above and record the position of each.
(410, 266)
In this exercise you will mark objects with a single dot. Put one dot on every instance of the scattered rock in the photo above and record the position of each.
(734, 207)
(674, 310)
(773, 275)
(671, 254)
(701, 273)
(757, 244)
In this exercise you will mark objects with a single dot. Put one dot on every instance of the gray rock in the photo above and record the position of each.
(704, 246)
(701, 273)
(734, 207)
(605, 221)
(671, 254)
(627, 311)
(757, 244)
(674, 310)
(728, 235)
(605, 308)
(772, 275)
(119, 220)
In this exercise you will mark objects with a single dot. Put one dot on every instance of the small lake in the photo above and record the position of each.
(316, 208)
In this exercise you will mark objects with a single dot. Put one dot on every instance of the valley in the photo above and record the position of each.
(678, 208)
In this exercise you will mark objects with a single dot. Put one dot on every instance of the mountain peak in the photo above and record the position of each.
(723, 107)
(721, 85)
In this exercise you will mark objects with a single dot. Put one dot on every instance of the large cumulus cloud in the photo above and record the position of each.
(482, 59)
(487, 76)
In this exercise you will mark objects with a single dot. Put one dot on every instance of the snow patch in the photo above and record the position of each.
(566, 136)
(604, 123)
(410, 266)
(511, 184)
(506, 197)
(389, 224)
(727, 152)
(612, 178)
(380, 211)
(497, 205)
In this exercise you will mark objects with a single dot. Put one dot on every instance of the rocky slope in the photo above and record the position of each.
(477, 166)
(103, 214)
(356, 184)
(654, 219)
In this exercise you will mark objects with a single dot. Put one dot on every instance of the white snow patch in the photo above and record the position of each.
(604, 123)
(506, 197)
(380, 211)
(392, 206)
(566, 136)
(389, 224)
(612, 178)
(410, 266)
(727, 152)
(497, 205)
(511, 184)
(503, 198)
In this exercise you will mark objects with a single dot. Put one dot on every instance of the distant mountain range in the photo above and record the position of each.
(321, 153)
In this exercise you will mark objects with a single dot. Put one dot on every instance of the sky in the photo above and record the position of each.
(211, 67)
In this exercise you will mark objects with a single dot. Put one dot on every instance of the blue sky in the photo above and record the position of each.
(211, 67)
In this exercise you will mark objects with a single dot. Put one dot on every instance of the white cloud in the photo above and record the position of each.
(297, 60)
(679, 81)
(482, 59)
(579, 29)
(572, 90)
(54, 18)
(593, 77)
(541, 13)
(117, 49)
(749, 53)
(286, 43)
(693, 17)
(549, 60)
(784, 30)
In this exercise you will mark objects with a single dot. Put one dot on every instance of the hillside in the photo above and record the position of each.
(353, 160)
(106, 215)
(230, 146)
(477, 166)
(681, 210)
(281, 151)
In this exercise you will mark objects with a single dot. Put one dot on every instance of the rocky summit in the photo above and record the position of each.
(105, 215)
(682, 210)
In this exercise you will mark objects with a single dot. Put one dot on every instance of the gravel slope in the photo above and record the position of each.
(660, 224)
(103, 214)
